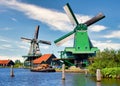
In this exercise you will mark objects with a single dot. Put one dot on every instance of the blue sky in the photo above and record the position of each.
(19, 18)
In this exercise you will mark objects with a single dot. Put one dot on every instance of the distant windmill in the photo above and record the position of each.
(34, 51)
(82, 47)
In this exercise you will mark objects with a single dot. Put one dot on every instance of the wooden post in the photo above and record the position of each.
(12, 72)
(98, 75)
(86, 72)
(63, 72)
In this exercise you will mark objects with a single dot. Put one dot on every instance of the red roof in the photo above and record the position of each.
(45, 57)
(4, 61)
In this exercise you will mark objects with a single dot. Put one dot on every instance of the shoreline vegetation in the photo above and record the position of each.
(108, 61)
(111, 72)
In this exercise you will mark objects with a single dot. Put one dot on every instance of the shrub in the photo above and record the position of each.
(108, 61)
(111, 72)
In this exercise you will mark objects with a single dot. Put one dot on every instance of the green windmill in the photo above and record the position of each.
(82, 47)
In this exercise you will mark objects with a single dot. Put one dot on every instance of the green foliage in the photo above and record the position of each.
(111, 72)
(18, 64)
(105, 59)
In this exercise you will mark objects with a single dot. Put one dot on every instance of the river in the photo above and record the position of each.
(24, 77)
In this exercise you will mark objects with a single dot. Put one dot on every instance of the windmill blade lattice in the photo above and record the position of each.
(44, 42)
(25, 39)
(36, 32)
(34, 47)
(94, 19)
(64, 38)
(70, 14)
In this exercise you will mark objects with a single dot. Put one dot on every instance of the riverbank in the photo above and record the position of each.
(72, 69)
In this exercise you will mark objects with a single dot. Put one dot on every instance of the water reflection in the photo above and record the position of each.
(98, 83)
(77, 79)
(63, 83)
(105, 82)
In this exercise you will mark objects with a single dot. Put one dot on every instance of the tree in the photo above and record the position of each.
(18, 64)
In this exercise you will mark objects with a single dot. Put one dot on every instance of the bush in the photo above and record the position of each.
(108, 61)
(111, 72)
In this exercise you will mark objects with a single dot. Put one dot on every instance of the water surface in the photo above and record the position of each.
(24, 77)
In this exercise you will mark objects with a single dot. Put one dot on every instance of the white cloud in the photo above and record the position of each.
(100, 44)
(82, 18)
(109, 41)
(5, 29)
(24, 47)
(6, 45)
(69, 43)
(97, 28)
(13, 58)
(44, 47)
(9, 49)
(3, 40)
(114, 34)
(106, 44)
(118, 26)
(14, 19)
(55, 19)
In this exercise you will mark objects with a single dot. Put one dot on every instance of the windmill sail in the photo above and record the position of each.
(64, 38)
(44, 42)
(95, 19)
(70, 14)
(25, 39)
(36, 32)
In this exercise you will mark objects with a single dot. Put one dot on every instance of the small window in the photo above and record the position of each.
(85, 47)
